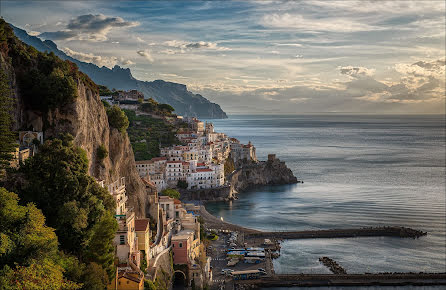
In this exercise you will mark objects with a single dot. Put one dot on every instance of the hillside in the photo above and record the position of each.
(185, 102)
(53, 96)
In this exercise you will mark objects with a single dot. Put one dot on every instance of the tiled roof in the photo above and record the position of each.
(141, 224)
(158, 158)
(143, 161)
(204, 170)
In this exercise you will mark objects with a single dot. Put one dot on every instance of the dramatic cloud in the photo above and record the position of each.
(98, 23)
(146, 54)
(362, 56)
(97, 59)
(89, 27)
(356, 72)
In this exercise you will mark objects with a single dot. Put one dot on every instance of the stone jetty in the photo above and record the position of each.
(332, 265)
(388, 231)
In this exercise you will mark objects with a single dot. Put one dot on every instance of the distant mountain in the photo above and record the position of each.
(185, 102)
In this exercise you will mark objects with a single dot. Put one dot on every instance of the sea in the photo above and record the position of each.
(358, 171)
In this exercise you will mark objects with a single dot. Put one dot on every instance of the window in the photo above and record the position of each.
(122, 239)
(181, 245)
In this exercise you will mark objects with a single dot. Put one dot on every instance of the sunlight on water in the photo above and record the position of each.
(358, 171)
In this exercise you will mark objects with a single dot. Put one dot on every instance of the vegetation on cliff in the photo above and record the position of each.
(117, 118)
(7, 137)
(148, 133)
(153, 107)
(45, 81)
(77, 209)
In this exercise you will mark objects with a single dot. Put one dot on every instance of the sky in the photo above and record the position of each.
(264, 57)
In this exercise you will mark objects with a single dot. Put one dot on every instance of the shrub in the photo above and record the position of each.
(106, 104)
(171, 193)
(166, 107)
(117, 118)
(182, 184)
(101, 153)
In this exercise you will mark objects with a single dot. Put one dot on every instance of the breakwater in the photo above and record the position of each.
(332, 265)
(401, 232)
(386, 231)
(379, 279)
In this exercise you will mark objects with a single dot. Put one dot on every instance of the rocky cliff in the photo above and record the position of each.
(84, 118)
(271, 172)
(185, 102)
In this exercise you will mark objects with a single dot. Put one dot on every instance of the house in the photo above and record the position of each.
(142, 229)
(168, 205)
(130, 280)
(185, 247)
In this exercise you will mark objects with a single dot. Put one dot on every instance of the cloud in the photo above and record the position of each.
(434, 69)
(98, 23)
(194, 45)
(146, 54)
(108, 61)
(89, 27)
(34, 33)
(297, 21)
(356, 72)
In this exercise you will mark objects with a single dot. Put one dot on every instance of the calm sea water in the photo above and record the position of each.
(357, 171)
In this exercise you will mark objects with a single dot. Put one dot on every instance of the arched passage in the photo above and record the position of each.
(179, 280)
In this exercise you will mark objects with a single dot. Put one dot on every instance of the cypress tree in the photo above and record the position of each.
(7, 137)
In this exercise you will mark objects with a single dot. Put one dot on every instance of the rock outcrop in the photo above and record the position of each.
(271, 172)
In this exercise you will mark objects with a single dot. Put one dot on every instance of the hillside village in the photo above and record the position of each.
(70, 157)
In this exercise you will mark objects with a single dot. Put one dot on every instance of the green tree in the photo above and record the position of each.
(42, 275)
(229, 165)
(95, 277)
(171, 193)
(166, 107)
(117, 118)
(100, 249)
(7, 137)
(182, 184)
(57, 181)
(148, 285)
(23, 233)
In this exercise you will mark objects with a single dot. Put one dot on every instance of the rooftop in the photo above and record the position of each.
(144, 161)
(204, 170)
(158, 158)
(141, 224)
(183, 235)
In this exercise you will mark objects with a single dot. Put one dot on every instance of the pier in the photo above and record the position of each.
(379, 279)
(401, 232)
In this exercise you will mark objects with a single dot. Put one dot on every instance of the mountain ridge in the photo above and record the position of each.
(185, 102)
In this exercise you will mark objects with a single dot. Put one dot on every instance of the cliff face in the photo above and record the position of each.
(87, 121)
(271, 172)
(185, 102)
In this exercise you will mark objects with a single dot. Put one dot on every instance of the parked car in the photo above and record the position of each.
(261, 270)
(226, 271)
